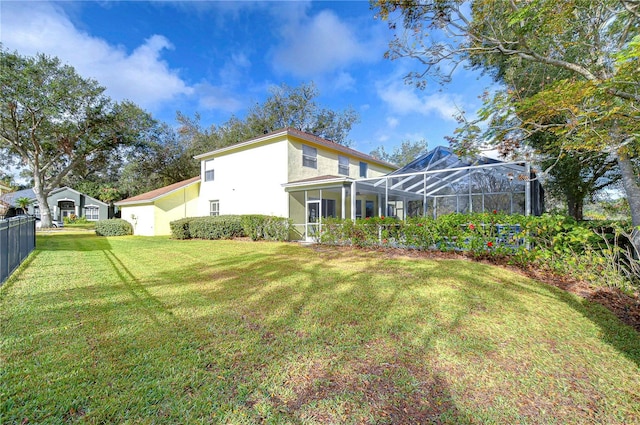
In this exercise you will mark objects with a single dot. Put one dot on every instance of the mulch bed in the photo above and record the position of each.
(624, 306)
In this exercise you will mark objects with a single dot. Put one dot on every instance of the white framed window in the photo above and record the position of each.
(209, 174)
(364, 167)
(214, 207)
(309, 157)
(91, 212)
(343, 165)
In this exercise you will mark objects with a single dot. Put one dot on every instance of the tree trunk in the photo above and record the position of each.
(43, 203)
(575, 207)
(632, 189)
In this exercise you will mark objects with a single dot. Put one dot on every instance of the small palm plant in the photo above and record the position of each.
(24, 203)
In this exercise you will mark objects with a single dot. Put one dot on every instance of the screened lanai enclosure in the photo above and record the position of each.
(437, 183)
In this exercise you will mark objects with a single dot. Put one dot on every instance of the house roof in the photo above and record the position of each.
(65, 188)
(29, 193)
(158, 193)
(10, 197)
(318, 180)
(301, 135)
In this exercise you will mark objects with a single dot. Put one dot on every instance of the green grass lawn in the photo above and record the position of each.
(90, 225)
(152, 330)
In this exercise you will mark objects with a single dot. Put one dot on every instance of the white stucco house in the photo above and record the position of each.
(293, 174)
(286, 173)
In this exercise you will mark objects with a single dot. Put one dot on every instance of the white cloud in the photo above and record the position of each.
(392, 122)
(141, 75)
(218, 97)
(323, 43)
(405, 100)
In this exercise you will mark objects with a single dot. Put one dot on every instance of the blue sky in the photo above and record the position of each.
(218, 58)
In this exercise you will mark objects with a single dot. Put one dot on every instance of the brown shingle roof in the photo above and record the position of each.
(155, 194)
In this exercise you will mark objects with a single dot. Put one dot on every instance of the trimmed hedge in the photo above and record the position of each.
(216, 227)
(255, 226)
(113, 227)
(593, 251)
(180, 228)
(266, 227)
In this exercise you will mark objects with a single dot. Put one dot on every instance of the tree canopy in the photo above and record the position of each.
(294, 107)
(402, 154)
(53, 121)
(581, 56)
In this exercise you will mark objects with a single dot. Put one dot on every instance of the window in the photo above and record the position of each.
(208, 171)
(343, 165)
(368, 209)
(309, 157)
(214, 207)
(91, 213)
(328, 208)
(363, 169)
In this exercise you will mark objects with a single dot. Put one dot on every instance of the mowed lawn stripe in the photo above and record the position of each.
(153, 330)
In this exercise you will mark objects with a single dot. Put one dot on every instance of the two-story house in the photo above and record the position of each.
(286, 173)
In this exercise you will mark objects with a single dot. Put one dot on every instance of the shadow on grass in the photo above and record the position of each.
(620, 336)
(343, 333)
(346, 328)
(13, 276)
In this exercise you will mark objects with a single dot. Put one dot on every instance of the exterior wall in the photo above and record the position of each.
(152, 218)
(327, 163)
(179, 204)
(80, 201)
(141, 217)
(248, 181)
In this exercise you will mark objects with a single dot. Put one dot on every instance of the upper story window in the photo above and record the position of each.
(363, 169)
(343, 165)
(309, 157)
(208, 171)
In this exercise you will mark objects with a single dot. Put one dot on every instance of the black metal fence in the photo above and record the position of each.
(17, 240)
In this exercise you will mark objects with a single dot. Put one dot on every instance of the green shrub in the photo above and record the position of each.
(266, 227)
(598, 252)
(113, 227)
(216, 227)
(74, 219)
(180, 228)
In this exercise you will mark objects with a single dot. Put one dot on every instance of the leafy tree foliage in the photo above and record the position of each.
(163, 160)
(578, 177)
(294, 107)
(53, 121)
(23, 203)
(403, 154)
(586, 52)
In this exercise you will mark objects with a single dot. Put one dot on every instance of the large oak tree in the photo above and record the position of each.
(52, 120)
(589, 49)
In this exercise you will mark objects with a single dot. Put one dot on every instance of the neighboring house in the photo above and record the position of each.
(287, 173)
(4, 206)
(4, 189)
(63, 202)
(150, 213)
